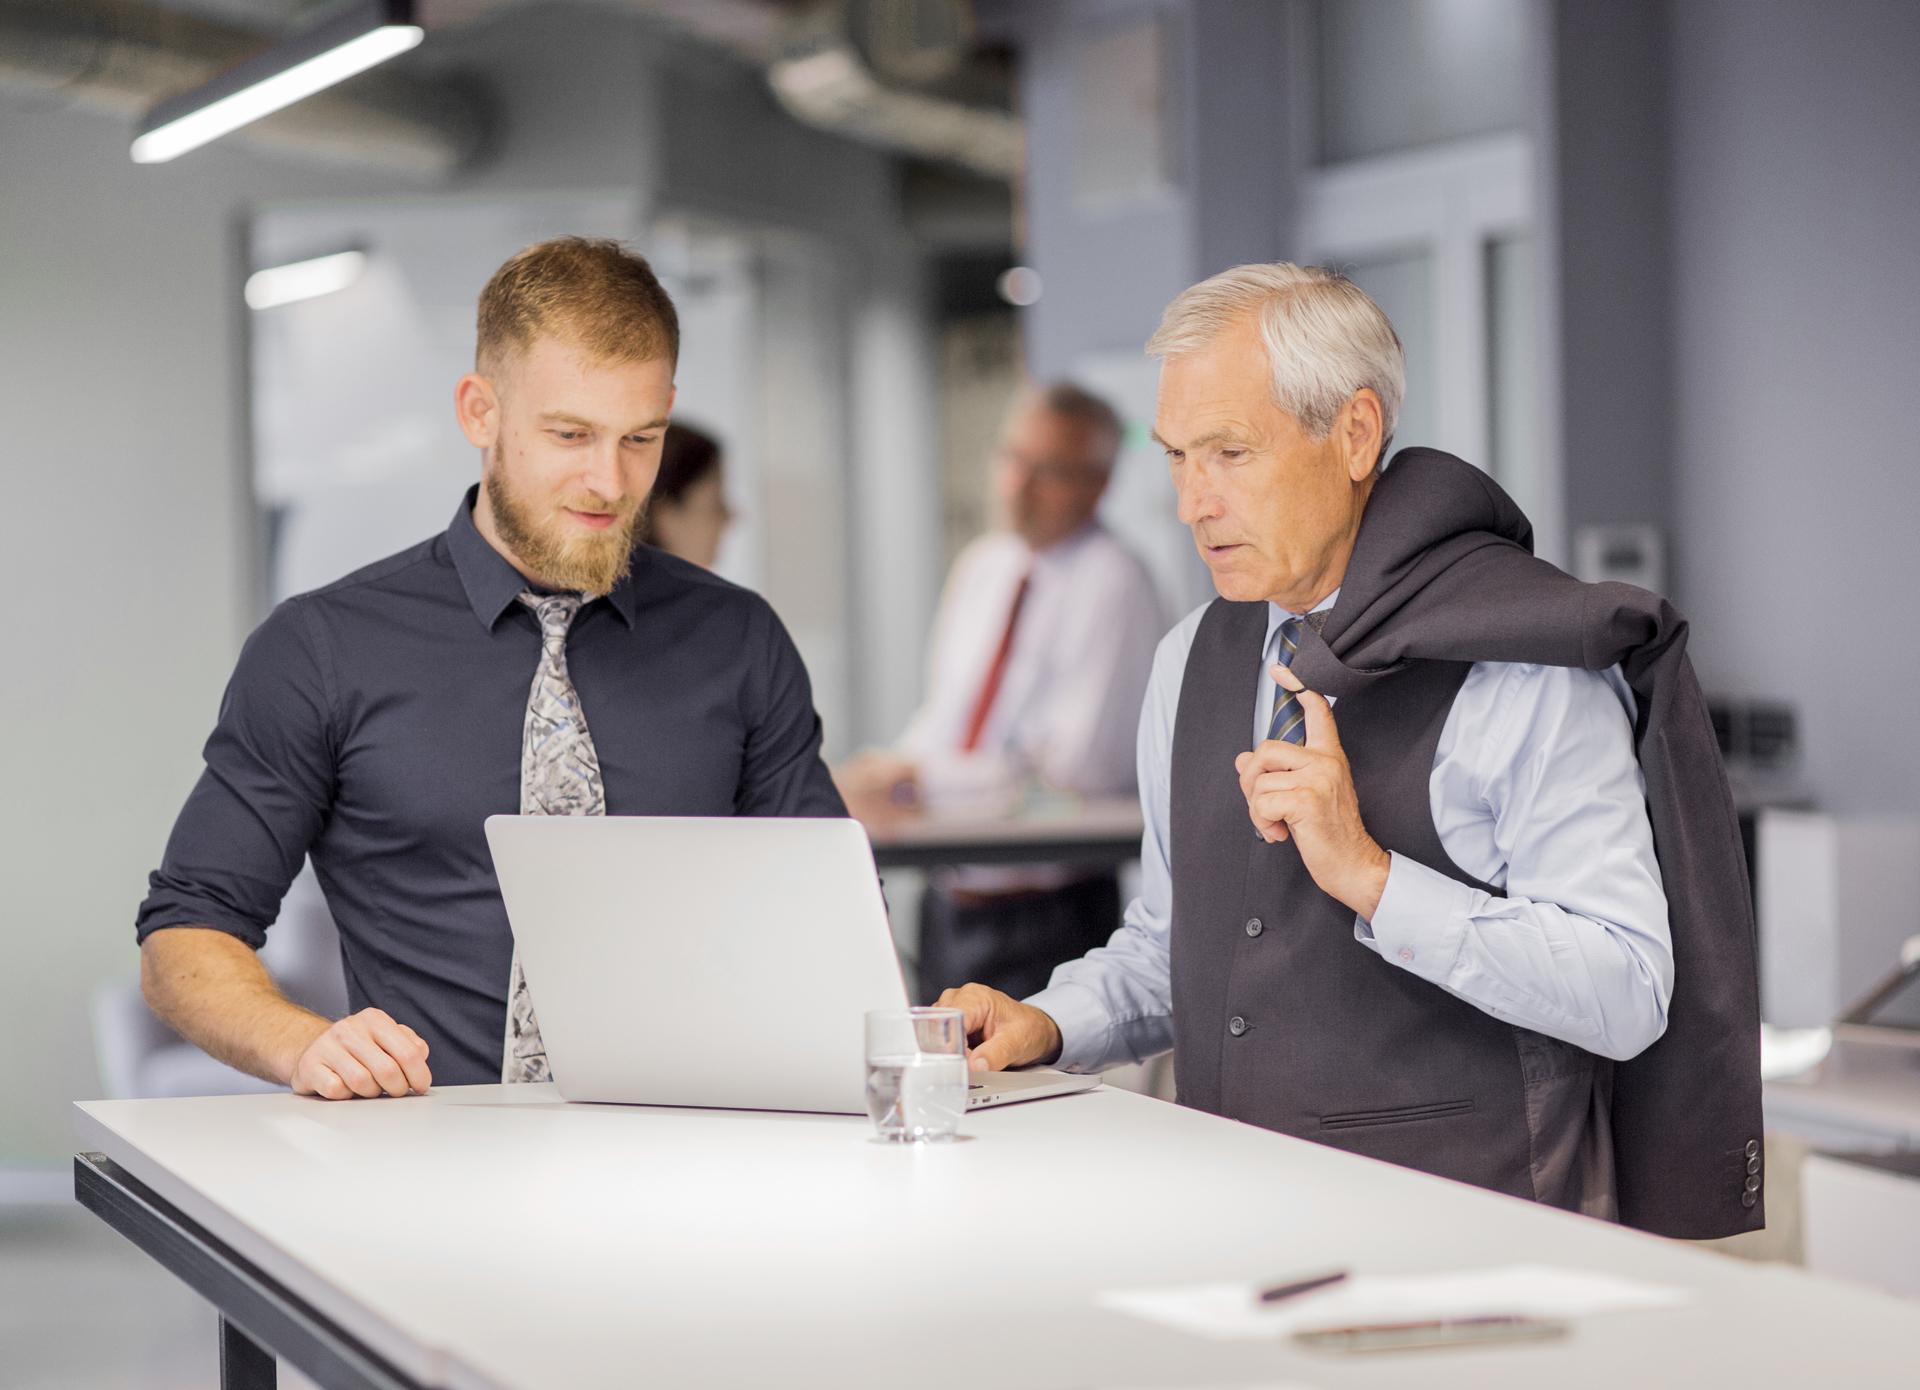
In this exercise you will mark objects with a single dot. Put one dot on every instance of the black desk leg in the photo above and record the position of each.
(244, 1363)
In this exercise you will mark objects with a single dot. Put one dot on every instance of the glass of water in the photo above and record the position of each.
(916, 1073)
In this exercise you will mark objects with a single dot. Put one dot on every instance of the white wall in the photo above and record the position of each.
(895, 493)
(1204, 93)
(1606, 172)
(1397, 74)
(848, 496)
(1111, 262)
(126, 527)
(1796, 199)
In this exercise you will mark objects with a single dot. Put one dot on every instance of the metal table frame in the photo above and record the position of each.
(933, 851)
(259, 1317)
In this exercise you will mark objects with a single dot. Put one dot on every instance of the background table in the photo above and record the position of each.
(495, 1236)
(1105, 833)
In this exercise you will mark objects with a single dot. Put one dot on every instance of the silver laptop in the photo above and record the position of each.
(723, 961)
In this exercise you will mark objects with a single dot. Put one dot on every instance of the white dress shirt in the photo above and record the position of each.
(1068, 706)
(1535, 789)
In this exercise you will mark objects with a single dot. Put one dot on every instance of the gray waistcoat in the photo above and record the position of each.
(1341, 1045)
(1282, 1019)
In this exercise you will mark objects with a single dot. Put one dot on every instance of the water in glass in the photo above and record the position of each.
(917, 1095)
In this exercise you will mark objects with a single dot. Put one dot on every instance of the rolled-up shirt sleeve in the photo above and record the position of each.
(263, 797)
(781, 773)
(1115, 1004)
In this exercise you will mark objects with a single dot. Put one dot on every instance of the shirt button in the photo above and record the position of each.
(1253, 926)
(1406, 954)
(1236, 1025)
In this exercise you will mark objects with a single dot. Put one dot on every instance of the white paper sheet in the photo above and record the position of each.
(1233, 1312)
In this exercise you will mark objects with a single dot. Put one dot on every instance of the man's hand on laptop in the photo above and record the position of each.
(364, 1054)
(1003, 1033)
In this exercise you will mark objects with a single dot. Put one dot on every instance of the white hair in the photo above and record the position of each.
(1325, 338)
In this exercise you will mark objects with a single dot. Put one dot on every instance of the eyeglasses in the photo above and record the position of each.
(1053, 472)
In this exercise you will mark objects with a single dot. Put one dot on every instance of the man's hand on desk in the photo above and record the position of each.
(878, 786)
(1003, 1033)
(364, 1054)
(211, 988)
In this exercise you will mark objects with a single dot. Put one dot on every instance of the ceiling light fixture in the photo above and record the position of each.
(351, 42)
(1019, 286)
(296, 280)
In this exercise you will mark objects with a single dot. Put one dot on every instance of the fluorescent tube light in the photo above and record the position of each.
(349, 43)
(283, 284)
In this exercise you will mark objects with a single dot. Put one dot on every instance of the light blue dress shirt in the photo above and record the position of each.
(1535, 790)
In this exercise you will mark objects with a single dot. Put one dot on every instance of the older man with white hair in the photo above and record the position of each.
(1447, 940)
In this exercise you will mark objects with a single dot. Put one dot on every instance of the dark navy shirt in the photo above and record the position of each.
(376, 723)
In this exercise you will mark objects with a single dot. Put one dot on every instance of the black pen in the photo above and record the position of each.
(1300, 1286)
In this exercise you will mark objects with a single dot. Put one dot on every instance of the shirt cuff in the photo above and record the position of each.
(1421, 921)
(1084, 1025)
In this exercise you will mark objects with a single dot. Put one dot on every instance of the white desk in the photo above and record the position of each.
(493, 1236)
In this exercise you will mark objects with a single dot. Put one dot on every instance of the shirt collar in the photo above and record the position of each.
(493, 584)
(1064, 548)
(1277, 615)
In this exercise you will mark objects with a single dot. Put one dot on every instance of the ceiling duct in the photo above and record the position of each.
(903, 74)
(121, 57)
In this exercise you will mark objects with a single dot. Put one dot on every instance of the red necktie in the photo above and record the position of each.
(984, 705)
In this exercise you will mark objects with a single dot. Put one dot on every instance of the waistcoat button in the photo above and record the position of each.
(1236, 1025)
(1253, 926)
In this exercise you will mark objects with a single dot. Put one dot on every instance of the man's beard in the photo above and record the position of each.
(554, 553)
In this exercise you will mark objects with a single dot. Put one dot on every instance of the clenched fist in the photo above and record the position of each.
(364, 1054)
(1304, 792)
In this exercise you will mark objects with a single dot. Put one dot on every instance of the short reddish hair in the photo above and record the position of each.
(589, 290)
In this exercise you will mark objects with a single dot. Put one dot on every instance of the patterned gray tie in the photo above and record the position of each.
(559, 776)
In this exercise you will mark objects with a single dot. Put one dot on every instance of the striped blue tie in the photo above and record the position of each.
(1289, 720)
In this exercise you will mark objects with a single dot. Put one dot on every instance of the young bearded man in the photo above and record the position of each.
(528, 659)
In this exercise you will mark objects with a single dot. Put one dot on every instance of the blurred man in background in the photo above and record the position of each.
(1039, 661)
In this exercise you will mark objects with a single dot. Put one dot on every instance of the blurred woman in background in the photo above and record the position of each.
(687, 510)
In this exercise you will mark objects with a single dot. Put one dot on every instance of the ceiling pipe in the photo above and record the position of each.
(901, 74)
